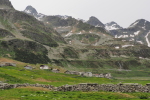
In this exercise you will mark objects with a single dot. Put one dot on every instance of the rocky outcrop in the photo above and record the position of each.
(5, 4)
(5, 33)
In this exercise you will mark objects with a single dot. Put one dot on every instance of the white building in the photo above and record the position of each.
(44, 67)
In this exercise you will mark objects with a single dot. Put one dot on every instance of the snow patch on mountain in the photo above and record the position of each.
(148, 42)
(144, 27)
(69, 34)
(140, 42)
(121, 36)
(27, 11)
(136, 33)
(124, 46)
(112, 26)
(132, 25)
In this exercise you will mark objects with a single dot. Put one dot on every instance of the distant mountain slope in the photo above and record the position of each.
(112, 26)
(136, 32)
(67, 26)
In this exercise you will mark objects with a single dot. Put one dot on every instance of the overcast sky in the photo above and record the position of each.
(124, 12)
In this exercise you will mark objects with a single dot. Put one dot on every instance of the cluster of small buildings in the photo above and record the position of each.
(43, 67)
(89, 74)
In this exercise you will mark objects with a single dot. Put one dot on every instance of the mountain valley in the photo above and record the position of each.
(72, 43)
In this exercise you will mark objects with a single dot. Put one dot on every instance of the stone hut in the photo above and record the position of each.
(7, 64)
(28, 67)
(71, 72)
(87, 74)
(56, 70)
(108, 75)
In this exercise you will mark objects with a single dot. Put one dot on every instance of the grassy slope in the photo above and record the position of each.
(19, 75)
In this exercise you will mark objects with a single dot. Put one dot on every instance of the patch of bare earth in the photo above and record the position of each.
(125, 95)
(10, 61)
(42, 80)
(34, 88)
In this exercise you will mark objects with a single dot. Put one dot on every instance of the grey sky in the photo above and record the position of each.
(124, 12)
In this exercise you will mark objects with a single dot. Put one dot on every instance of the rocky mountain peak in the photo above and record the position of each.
(112, 26)
(5, 4)
(32, 11)
(95, 22)
(139, 23)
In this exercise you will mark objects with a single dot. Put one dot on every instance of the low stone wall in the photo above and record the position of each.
(106, 87)
(128, 87)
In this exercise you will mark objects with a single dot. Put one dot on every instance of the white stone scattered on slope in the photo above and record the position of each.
(147, 39)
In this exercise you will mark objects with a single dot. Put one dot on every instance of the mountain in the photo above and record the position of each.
(112, 26)
(71, 29)
(32, 11)
(24, 38)
(95, 22)
(5, 4)
(67, 42)
(137, 32)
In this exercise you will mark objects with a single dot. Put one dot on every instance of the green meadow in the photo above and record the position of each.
(20, 75)
(32, 93)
